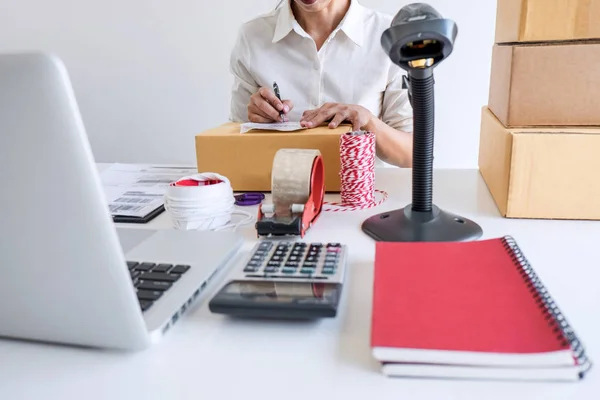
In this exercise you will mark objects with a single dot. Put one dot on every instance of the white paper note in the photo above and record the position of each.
(276, 126)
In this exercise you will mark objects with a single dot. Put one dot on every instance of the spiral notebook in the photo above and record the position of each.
(468, 310)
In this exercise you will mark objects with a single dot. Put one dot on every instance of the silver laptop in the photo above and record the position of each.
(67, 274)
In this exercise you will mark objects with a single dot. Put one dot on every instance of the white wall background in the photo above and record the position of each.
(150, 74)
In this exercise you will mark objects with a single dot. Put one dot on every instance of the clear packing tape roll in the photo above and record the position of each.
(297, 182)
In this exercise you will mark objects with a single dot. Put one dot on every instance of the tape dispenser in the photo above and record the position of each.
(297, 193)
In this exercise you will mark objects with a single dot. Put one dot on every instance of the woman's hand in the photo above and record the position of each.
(264, 107)
(337, 113)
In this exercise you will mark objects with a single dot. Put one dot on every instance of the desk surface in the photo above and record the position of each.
(212, 357)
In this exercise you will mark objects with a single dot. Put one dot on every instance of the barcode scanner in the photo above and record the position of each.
(417, 41)
(419, 38)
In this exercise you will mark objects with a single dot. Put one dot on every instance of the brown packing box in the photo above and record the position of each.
(547, 20)
(246, 159)
(541, 172)
(546, 84)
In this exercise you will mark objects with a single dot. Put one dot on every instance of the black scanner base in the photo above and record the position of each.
(406, 225)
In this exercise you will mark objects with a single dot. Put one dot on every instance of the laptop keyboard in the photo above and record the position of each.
(152, 280)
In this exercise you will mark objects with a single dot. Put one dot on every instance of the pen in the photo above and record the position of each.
(276, 90)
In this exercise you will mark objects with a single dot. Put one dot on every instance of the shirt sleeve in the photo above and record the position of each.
(244, 84)
(396, 109)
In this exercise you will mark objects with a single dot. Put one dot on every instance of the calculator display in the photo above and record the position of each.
(283, 292)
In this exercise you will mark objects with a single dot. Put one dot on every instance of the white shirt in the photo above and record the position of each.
(351, 67)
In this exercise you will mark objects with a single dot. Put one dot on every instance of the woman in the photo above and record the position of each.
(327, 60)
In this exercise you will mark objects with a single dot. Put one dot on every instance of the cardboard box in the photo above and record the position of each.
(547, 20)
(541, 173)
(546, 84)
(247, 159)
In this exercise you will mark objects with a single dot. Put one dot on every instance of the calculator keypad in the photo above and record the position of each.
(300, 260)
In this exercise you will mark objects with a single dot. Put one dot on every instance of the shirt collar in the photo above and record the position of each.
(285, 22)
(352, 23)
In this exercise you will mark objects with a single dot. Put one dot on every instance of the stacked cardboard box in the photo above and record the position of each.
(540, 133)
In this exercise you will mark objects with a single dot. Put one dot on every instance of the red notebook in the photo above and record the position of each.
(466, 305)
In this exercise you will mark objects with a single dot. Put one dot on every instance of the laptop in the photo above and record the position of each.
(69, 275)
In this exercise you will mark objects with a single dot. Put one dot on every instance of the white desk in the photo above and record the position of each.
(212, 357)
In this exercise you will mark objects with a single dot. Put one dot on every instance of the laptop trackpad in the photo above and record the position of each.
(130, 238)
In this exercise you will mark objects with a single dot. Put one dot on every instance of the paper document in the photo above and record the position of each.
(276, 126)
(137, 190)
(143, 175)
(133, 203)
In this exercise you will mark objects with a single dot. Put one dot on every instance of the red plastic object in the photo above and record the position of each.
(192, 182)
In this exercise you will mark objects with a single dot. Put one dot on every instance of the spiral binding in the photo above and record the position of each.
(556, 319)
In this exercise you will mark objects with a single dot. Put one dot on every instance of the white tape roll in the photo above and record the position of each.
(203, 207)
(291, 178)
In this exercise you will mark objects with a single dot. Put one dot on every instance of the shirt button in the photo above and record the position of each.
(317, 66)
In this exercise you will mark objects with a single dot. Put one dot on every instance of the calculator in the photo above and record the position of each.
(286, 279)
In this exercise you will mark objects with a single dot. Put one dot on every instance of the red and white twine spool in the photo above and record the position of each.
(357, 173)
